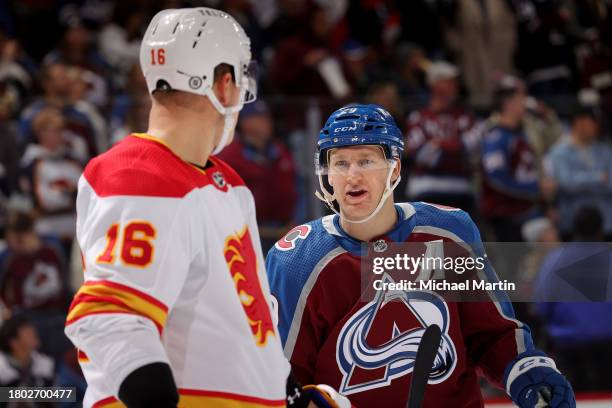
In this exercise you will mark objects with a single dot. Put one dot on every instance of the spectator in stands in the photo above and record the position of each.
(16, 70)
(581, 166)
(482, 34)
(574, 306)
(9, 163)
(438, 144)
(133, 91)
(542, 236)
(77, 46)
(243, 12)
(510, 186)
(119, 40)
(281, 19)
(268, 170)
(386, 94)
(57, 87)
(546, 52)
(409, 73)
(542, 127)
(136, 117)
(305, 66)
(300, 65)
(32, 280)
(50, 174)
(32, 268)
(20, 364)
(87, 96)
(593, 20)
(358, 59)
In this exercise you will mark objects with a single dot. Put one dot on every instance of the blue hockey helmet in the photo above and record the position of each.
(359, 124)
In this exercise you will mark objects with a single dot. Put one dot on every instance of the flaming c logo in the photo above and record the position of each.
(242, 262)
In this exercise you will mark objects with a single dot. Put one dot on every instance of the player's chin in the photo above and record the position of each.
(357, 211)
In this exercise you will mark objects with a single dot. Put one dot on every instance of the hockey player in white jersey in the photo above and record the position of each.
(175, 308)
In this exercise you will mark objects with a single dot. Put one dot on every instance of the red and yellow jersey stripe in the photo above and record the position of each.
(82, 357)
(213, 399)
(102, 297)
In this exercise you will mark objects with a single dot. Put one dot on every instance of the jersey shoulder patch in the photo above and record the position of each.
(300, 249)
(289, 241)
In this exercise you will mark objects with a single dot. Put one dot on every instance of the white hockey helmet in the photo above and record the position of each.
(182, 47)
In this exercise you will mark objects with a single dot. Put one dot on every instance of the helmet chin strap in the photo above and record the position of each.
(328, 198)
(228, 120)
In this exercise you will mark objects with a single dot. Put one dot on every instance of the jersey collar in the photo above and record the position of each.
(399, 233)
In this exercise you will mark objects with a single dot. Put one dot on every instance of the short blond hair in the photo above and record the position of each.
(46, 117)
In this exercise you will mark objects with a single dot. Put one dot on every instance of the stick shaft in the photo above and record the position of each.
(426, 353)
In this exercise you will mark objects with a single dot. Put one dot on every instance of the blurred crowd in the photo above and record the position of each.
(505, 106)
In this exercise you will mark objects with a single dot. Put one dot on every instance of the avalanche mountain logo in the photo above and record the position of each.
(242, 262)
(365, 367)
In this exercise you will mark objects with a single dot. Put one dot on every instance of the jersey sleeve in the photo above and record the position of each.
(296, 271)
(136, 254)
(493, 335)
(295, 321)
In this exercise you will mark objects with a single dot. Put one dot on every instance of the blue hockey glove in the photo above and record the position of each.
(532, 381)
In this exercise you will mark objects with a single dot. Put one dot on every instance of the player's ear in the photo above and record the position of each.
(396, 171)
(330, 180)
(222, 87)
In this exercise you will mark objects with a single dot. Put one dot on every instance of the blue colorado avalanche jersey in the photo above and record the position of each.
(334, 335)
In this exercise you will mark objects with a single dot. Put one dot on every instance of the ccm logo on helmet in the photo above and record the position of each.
(345, 129)
(287, 242)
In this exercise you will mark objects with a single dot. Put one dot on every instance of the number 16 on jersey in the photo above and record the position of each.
(136, 248)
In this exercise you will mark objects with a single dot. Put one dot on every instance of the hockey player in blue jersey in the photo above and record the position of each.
(333, 335)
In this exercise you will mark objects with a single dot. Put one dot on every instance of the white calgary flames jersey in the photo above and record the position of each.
(174, 273)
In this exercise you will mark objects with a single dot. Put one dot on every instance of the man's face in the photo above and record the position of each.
(516, 104)
(587, 128)
(358, 176)
(445, 89)
(22, 242)
(51, 135)
(27, 339)
(389, 98)
(59, 83)
(77, 37)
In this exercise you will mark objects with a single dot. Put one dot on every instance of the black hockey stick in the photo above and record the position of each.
(426, 353)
